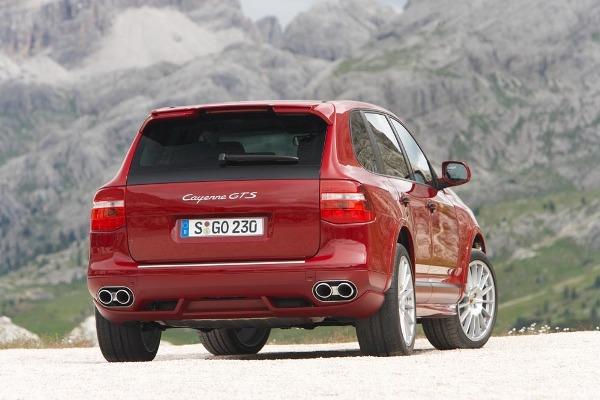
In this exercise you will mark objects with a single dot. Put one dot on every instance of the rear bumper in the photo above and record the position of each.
(226, 292)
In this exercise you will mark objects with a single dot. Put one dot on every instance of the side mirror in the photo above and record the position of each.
(454, 173)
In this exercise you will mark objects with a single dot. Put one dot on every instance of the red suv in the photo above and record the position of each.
(233, 219)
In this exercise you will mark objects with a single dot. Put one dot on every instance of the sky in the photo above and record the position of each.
(285, 10)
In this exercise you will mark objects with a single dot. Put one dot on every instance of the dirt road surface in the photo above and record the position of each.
(551, 366)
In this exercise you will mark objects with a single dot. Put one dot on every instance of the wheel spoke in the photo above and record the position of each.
(406, 301)
(486, 312)
(475, 323)
(469, 278)
(464, 316)
(484, 280)
(487, 290)
(467, 322)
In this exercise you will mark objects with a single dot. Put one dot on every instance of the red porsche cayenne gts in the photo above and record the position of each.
(236, 218)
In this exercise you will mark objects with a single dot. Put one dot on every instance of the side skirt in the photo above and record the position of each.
(435, 310)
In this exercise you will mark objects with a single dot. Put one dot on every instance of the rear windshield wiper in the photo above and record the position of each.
(257, 159)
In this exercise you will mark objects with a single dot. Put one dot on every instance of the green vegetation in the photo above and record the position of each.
(459, 148)
(326, 334)
(66, 307)
(558, 282)
(393, 58)
(180, 336)
(503, 98)
(514, 131)
(480, 121)
(596, 37)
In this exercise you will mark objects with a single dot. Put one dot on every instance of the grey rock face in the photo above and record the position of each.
(334, 29)
(270, 30)
(85, 332)
(10, 333)
(69, 30)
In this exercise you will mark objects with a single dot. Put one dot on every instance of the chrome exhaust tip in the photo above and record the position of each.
(105, 297)
(323, 291)
(122, 297)
(345, 290)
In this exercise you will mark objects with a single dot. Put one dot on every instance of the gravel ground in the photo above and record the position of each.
(563, 365)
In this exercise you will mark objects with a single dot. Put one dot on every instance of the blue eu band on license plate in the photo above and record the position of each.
(221, 227)
(185, 228)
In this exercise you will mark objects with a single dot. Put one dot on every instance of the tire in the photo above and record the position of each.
(229, 342)
(129, 342)
(390, 332)
(448, 333)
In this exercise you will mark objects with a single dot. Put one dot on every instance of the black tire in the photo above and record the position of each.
(447, 334)
(129, 342)
(381, 334)
(229, 342)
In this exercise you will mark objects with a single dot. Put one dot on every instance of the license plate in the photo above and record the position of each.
(222, 227)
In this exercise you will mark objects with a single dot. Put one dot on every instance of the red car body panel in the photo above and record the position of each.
(244, 278)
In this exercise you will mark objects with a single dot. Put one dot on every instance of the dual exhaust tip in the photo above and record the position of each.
(334, 291)
(115, 296)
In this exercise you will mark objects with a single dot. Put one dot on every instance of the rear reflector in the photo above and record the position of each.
(108, 210)
(344, 202)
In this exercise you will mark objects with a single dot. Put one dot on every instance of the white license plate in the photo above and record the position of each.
(221, 227)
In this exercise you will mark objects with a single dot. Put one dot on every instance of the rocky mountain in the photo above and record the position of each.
(511, 87)
(336, 29)
(517, 81)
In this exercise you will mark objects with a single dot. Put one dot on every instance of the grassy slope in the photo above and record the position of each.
(67, 306)
(559, 283)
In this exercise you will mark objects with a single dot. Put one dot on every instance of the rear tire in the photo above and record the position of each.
(449, 333)
(229, 342)
(129, 342)
(392, 330)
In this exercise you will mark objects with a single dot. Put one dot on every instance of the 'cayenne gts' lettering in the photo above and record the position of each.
(232, 196)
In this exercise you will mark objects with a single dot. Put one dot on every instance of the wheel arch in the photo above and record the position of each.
(478, 242)
(474, 240)
(405, 239)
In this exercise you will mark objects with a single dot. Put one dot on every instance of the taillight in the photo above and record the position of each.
(108, 211)
(344, 202)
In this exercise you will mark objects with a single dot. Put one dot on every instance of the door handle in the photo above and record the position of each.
(404, 199)
(432, 205)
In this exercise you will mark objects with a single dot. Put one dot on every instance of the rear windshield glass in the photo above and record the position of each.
(184, 150)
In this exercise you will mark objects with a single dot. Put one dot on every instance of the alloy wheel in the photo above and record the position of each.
(476, 309)
(406, 301)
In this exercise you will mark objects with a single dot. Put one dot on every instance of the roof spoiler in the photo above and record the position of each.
(325, 111)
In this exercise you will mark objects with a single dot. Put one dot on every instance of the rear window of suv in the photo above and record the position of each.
(187, 150)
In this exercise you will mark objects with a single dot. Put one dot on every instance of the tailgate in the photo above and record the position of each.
(290, 209)
(256, 168)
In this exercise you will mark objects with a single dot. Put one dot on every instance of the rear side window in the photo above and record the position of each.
(418, 161)
(392, 155)
(187, 150)
(361, 142)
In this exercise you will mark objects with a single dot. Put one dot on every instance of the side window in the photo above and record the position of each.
(391, 153)
(361, 142)
(415, 155)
